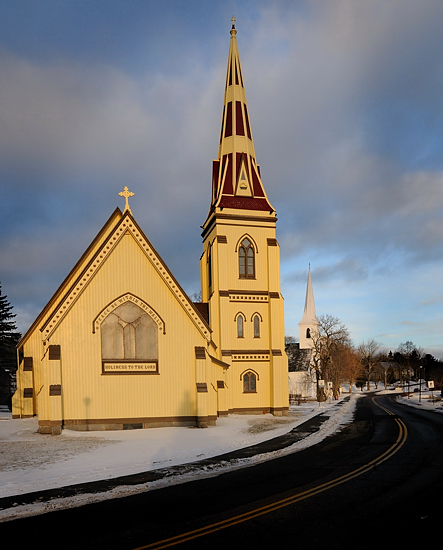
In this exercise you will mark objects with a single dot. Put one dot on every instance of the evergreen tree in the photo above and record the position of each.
(9, 336)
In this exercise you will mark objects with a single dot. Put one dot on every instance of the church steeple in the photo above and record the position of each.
(309, 323)
(240, 264)
(236, 181)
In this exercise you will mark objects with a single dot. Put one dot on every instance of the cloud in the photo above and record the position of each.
(347, 115)
(346, 270)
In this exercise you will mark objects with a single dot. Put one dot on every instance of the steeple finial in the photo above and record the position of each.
(126, 193)
(233, 31)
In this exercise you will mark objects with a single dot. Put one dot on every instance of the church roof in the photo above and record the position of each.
(89, 264)
(236, 180)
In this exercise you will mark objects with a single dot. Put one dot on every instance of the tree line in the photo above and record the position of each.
(9, 337)
(334, 359)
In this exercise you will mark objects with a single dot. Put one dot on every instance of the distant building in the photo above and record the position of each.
(120, 345)
(302, 377)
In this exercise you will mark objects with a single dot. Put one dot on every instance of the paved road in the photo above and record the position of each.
(380, 479)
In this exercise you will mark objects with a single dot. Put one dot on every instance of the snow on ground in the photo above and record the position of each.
(428, 400)
(31, 462)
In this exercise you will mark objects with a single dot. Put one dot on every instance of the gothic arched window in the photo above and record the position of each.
(246, 260)
(256, 326)
(240, 326)
(308, 333)
(249, 382)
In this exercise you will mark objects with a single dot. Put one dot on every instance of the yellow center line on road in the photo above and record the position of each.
(224, 524)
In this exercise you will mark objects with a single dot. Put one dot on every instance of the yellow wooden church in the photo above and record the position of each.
(120, 345)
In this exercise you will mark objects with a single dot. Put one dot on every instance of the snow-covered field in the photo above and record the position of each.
(30, 462)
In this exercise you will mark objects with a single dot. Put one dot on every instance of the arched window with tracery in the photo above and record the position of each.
(129, 333)
(246, 259)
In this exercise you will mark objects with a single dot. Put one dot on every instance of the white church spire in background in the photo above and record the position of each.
(309, 323)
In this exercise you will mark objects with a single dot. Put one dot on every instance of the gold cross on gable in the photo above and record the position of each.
(126, 193)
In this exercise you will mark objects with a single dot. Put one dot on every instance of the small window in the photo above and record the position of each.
(256, 326)
(240, 327)
(246, 260)
(249, 382)
(308, 333)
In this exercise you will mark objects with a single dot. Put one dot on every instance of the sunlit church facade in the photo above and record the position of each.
(120, 345)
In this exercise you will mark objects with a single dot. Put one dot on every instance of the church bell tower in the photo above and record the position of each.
(240, 264)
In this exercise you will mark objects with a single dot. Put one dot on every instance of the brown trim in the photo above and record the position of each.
(222, 239)
(212, 220)
(219, 363)
(202, 387)
(98, 424)
(224, 293)
(274, 295)
(128, 362)
(28, 393)
(272, 242)
(250, 410)
(54, 352)
(252, 292)
(243, 217)
(276, 352)
(250, 351)
(257, 410)
(278, 409)
(55, 389)
(200, 352)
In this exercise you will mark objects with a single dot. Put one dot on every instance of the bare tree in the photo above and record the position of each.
(328, 342)
(370, 352)
(351, 365)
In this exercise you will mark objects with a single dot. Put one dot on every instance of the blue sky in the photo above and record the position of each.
(346, 108)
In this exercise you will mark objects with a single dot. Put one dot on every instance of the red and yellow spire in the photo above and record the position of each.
(236, 181)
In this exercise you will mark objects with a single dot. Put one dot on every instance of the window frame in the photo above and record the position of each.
(240, 326)
(256, 325)
(246, 259)
(249, 379)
